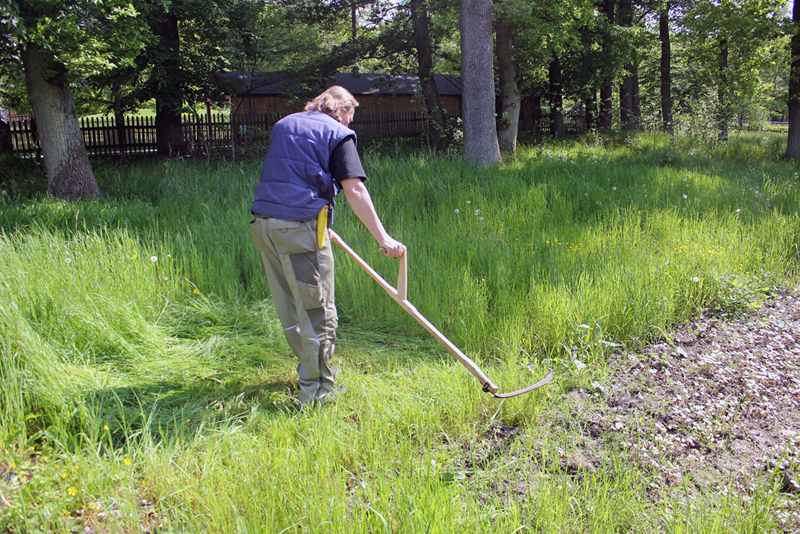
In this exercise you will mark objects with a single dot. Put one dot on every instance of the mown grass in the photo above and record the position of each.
(146, 383)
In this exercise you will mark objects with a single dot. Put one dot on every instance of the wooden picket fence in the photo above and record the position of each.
(137, 135)
(217, 131)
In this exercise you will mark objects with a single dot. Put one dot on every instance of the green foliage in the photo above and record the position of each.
(747, 30)
(86, 37)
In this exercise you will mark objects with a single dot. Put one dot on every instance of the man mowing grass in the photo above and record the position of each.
(312, 156)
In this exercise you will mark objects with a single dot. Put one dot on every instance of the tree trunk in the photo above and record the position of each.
(478, 100)
(636, 108)
(69, 173)
(666, 69)
(625, 105)
(723, 91)
(590, 103)
(531, 113)
(793, 144)
(557, 129)
(119, 121)
(605, 119)
(6, 143)
(629, 88)
(427, 81)
(509, 89)
(169, 98)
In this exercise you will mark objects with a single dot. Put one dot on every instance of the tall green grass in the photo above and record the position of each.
(145, 378)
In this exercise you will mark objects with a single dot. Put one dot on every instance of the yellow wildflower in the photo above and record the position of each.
(72, 491)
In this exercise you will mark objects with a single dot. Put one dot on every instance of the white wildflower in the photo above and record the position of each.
(154, 258)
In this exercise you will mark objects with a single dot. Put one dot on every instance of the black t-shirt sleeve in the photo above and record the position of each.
(345, 162)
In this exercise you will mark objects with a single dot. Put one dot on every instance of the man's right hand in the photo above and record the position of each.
(392, 248)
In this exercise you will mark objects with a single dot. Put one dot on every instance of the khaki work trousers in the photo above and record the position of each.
(300, 277)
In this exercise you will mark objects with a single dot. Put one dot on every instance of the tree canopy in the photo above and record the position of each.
(574, 57)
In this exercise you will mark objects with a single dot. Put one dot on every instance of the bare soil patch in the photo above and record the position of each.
(714, 406)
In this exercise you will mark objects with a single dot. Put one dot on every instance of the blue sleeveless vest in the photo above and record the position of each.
(296, 180)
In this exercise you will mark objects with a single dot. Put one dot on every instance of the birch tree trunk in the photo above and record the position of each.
(69, 173)
(478, 101)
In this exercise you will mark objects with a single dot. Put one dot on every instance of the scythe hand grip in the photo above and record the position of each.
(402, 273)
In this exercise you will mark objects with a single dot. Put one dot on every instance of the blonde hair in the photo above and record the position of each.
(333, 101)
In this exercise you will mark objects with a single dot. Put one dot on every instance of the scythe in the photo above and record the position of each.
(400, 295)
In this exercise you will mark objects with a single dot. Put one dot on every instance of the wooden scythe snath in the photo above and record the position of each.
(400, 295)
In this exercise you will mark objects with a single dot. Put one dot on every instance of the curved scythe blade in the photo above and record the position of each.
(546, 380)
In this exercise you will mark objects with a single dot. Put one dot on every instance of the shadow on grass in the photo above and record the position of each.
(170, 410)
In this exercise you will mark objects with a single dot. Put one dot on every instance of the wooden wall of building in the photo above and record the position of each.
(377, 115)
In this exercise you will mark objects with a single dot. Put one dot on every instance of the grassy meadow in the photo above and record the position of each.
(146, 385)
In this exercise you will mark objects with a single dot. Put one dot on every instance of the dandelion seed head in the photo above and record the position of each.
(458, 210)
(685, 196)
(154, 258)
(695, 279)
(614, 188)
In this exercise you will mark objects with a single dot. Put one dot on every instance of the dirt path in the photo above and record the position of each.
(717, 402)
